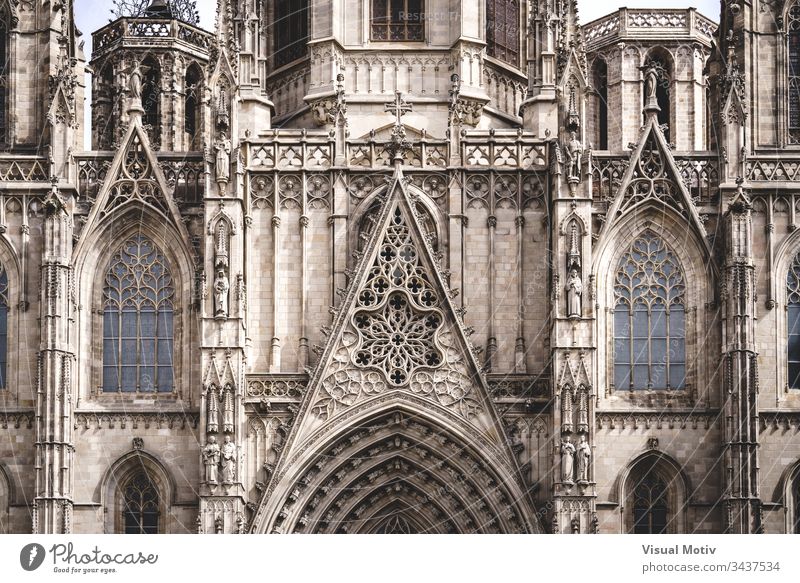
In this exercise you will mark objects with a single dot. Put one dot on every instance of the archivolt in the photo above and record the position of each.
(398, 464)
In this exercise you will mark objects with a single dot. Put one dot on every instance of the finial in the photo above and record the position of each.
(399, 107)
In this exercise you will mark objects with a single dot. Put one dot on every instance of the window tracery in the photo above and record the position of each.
(138, 320)
(650, 506)
(395, 336)
(397, 20)
(502, 30)
(135, 181)
(397, 317)
(793, 72)
(651, 181)
(649, 317)
(140, 511)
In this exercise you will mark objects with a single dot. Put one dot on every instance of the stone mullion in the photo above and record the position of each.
(519, 348)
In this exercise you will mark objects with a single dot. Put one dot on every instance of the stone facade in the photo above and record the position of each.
(389, 269)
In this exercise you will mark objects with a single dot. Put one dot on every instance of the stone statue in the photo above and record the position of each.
(574, 156)
(567, 460)
(650, 85)
(227, 411)
(228, 461)
(221, 287)
(584, 452)
(223, 158)
(213, 411)
(574, 292)
(135, 81)
(211, 459)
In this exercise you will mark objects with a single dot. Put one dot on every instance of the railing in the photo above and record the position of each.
(648, 22)
(503, 149)
(773, 169)
(147, 29)
(16, 168)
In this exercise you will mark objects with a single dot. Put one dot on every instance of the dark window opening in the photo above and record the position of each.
(400, 20)
(601, 87)
(650, 509)
(502, 30)
(140, 513)
(290, 31)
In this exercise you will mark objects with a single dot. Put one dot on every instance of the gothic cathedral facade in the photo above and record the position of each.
(401, 266)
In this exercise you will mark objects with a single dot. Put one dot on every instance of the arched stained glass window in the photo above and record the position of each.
(650, 508)
(793, 321)
(793, 72)
(140, 512)
(502, 30)
(3, 326)
(649, 317)
(138, 320)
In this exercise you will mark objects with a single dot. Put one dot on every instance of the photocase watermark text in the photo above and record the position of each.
(65, 554)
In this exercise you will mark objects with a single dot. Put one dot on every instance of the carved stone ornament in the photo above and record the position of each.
(397, 337)
(468, 111)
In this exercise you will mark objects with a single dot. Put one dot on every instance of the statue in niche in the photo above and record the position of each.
(213, 411)
(574, 157)
(211, 454)
(584, 452)
(221, 287)
(135, 82)
(227, 410)
(574, 292)
(223, 159)
(567, 460)
(228, 461)
(651, 75)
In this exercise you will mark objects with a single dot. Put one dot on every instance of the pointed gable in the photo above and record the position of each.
(397, 331)
(653, 178)
(135, 179)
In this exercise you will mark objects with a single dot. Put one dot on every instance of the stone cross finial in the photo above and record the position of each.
(399, 107)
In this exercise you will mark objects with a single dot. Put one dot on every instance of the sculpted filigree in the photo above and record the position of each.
(396, 337)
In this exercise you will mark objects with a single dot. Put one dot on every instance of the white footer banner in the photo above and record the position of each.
(400, 558)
